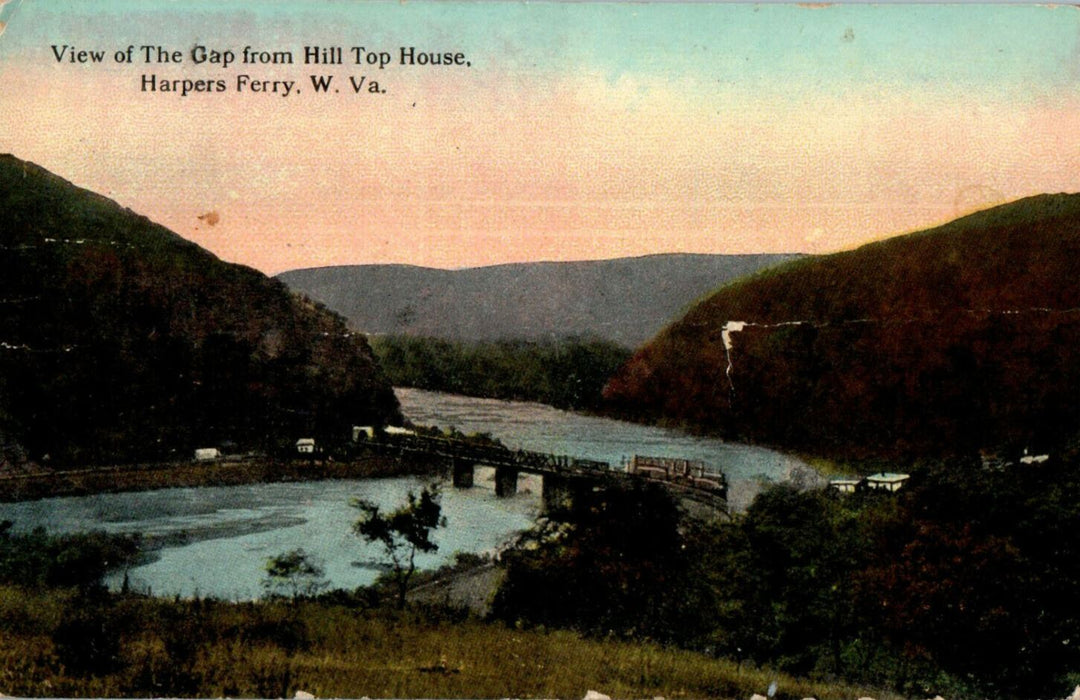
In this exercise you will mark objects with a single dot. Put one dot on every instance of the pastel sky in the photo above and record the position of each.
(580, 131)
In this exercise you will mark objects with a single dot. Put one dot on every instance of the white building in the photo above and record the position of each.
(845, 485)
(305, 446)
(887, 481)
(1029, 458)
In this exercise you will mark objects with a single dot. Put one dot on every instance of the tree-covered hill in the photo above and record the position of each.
(961, 337)
(120, 340)
(568, 373)
(624, 301)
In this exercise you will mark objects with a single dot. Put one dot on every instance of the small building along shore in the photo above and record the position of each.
(845, 485)
(887, 481)
(882, 481)
(207, 454)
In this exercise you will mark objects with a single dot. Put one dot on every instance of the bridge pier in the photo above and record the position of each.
(463, 473)
(506, 479)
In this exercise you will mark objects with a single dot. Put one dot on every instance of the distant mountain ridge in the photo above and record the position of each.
(955, 339)
(625, 300)
(120, 340)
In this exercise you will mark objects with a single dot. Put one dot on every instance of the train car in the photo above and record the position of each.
(591, 464)
(711, 482)
(688, 472)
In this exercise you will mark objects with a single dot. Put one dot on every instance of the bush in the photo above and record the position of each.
(87, 640)
(77, 561)
(609, 564)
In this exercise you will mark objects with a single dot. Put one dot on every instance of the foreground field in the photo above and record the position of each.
(63, 644)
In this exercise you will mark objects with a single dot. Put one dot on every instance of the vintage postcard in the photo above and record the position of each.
(504, 349)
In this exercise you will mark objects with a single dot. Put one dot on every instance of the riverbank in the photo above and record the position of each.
(256, 470)
(469, 583)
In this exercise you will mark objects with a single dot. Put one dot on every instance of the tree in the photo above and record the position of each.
(402, 532)
(293, 572)
(611, 563)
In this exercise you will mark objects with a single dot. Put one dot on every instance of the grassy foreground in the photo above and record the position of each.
(58, 643)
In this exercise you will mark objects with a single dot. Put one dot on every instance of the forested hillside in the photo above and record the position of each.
(568, 373)
(960, 338)
(120, 340)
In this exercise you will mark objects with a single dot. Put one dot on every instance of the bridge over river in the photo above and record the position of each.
(562, 475)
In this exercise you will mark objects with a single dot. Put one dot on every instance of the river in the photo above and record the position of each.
(215, 541)
(533, 426)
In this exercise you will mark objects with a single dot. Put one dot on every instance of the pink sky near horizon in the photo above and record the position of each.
(509, 168)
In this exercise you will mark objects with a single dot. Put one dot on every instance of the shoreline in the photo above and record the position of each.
(163, 475)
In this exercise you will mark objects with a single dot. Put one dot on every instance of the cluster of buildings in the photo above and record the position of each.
(891, 481)
(882, 481)
(306, 446)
